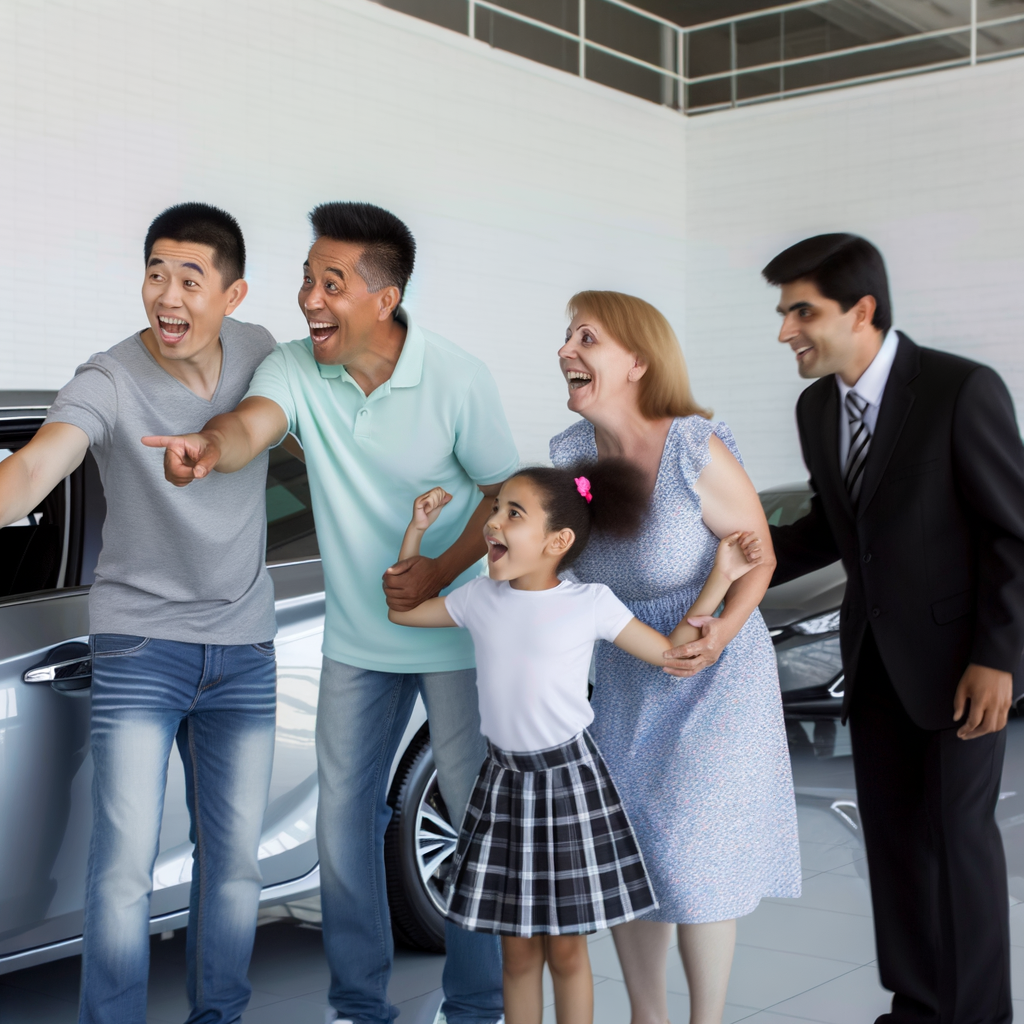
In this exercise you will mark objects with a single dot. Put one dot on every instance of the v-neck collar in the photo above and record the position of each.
(170, 376)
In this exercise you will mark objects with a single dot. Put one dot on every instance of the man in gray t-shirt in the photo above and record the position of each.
(181, 617)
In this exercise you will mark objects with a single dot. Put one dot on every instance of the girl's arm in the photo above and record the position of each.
(737, 554)
(425, 509)
(432, 613)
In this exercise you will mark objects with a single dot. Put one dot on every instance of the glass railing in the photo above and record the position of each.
(763, 55)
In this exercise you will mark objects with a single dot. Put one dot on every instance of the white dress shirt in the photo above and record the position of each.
(870, 387)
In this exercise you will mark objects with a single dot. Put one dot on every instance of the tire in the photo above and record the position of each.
(418, 847)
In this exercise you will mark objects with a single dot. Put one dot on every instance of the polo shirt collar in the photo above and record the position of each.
(408, 370)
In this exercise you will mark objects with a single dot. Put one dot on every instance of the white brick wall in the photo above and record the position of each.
(930, 169)
(521, 184)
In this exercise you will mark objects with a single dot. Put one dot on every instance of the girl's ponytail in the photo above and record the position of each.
(608, 497)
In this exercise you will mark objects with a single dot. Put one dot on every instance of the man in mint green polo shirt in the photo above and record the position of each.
(384, 410)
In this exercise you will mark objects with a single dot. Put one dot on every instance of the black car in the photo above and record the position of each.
(803, 619)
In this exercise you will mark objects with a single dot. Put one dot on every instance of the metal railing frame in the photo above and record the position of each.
(735, 73)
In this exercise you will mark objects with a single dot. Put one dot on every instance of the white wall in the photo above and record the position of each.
(522, 184)
(930, 168)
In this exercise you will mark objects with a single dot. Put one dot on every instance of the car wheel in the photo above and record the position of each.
(418, 849)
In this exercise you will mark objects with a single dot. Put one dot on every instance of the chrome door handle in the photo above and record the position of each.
(66, 667)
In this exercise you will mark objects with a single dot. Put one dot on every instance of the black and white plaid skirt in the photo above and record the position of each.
(546, 847)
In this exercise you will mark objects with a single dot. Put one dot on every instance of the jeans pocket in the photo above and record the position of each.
(266, 648)
(114, 645)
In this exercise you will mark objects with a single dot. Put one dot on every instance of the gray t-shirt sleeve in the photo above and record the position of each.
(88, 401)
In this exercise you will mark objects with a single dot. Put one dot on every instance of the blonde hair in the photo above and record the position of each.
(641, 329)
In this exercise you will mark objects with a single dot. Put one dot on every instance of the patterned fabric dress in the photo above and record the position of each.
(701, 764)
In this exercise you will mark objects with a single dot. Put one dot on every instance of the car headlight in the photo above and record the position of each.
(809, 657)
(827, 623)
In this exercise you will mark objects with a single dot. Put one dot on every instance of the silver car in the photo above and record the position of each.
(46, 566)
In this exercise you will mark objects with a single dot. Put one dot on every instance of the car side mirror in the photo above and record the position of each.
(65, 667)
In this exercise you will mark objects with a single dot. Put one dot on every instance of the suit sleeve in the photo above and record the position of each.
(807, 544)
(988, 460)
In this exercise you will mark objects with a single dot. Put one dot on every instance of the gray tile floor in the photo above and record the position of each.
(810, 959)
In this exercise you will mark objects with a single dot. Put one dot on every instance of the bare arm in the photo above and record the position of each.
(28, 476)
(425, 510)
(226, 444)
(411, 581)
(431, 614)
(729, 503)
(738, 555)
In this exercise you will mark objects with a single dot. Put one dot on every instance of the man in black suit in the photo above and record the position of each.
(917, 470)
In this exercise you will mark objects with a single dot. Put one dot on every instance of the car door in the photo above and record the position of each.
(45, 567)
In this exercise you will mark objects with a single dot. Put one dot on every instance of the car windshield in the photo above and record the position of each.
(783, 507)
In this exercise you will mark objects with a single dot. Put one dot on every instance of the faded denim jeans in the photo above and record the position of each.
(361, 717)
(219, 704)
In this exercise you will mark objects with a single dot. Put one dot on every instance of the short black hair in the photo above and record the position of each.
(389, 250)
(843, 267)
(203, 224)
(618, 500)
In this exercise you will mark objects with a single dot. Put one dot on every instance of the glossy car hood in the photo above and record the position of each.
(813, 594)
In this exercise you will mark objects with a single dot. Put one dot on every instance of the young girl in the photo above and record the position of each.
(547, 854)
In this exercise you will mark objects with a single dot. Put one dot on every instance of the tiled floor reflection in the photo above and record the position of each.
(810, 959)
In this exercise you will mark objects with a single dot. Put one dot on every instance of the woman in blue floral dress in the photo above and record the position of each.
(700, 755)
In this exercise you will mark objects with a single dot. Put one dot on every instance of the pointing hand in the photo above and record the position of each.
(187, 457)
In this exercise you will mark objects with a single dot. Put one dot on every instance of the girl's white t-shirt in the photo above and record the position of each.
(533, 650)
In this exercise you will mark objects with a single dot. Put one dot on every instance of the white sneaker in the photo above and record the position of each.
(331, 1017)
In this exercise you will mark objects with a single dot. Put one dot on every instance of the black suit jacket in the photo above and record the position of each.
(934, 550)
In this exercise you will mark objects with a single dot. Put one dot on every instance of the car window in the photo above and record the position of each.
(291, 532)
(784, 507)
(33, 549)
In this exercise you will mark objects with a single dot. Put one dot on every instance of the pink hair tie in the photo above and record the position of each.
(583, 486)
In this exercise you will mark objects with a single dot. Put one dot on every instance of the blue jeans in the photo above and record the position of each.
(219, 702)
(360, 721)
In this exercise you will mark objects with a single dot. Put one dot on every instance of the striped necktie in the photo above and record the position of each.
(860, 442)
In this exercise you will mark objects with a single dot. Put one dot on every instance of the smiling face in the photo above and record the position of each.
(598, 370)
(185, 298)
(520, 547)
(341, 311)
(823, 338)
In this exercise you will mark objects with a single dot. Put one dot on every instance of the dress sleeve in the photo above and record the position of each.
(611, 616)
(570, 446)
(88, 401)
(695, 451)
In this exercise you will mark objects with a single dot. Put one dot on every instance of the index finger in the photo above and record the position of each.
(157, 441)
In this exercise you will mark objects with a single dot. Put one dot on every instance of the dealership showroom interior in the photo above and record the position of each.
(558, 263)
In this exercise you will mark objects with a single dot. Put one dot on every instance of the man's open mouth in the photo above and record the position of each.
(577, 379)
(801, 352)
(495, 550)
(172, 329)
(320, 331)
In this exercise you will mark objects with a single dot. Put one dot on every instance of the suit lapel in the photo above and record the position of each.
(897, 399)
